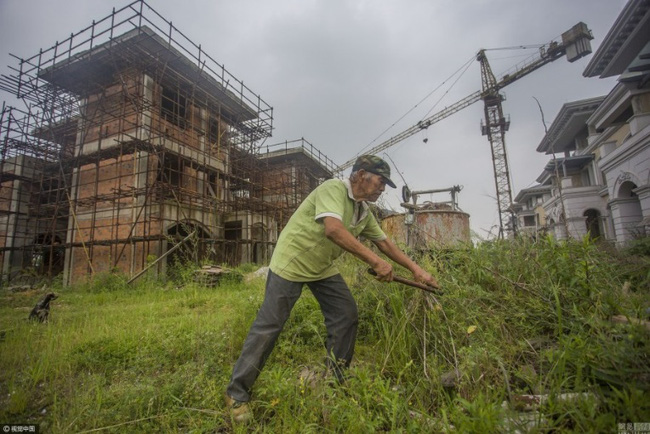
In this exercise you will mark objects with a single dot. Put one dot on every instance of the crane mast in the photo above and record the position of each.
(495, 128)
(574, 43)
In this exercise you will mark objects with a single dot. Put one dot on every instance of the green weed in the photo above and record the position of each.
(515, 318)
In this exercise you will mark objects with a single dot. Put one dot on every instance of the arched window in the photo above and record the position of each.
(630, 213)
(626, 190)
(193, 250)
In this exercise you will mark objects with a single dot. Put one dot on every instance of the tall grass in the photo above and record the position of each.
(515, 318)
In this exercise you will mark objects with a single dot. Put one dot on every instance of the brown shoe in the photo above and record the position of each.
(239, 410)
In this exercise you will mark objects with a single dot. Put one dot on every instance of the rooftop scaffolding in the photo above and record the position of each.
(131, 138)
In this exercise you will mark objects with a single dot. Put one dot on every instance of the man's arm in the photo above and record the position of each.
(389, 249)
(338, 234)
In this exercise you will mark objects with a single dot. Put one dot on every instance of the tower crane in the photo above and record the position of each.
(574, 43)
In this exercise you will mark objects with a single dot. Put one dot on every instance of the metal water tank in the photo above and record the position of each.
(426, 229)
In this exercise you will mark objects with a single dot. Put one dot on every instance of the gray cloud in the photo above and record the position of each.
(338, 73)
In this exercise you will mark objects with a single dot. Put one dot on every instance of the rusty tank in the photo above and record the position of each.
(429, 225)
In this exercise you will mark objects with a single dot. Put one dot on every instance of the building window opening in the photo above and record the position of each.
(214, 132)
(47, 255)
(627, 190)
(260, 238)
(192, 251)
(212, 186)
(592, 221)
(630, 213)
(170, 172)
(233, 237)
(173, 107)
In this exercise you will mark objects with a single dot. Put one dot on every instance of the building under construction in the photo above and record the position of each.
(133, 144)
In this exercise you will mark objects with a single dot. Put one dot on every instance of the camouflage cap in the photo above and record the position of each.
(374, 164)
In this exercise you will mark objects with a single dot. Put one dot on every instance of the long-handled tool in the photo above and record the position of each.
(428, 288)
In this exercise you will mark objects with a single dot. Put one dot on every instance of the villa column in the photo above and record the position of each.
(625, 216)
(643, 193)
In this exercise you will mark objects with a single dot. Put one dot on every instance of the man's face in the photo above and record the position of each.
(371, 186)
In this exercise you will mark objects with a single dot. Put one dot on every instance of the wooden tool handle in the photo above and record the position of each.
(428, 288)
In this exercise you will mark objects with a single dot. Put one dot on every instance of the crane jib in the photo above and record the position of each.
(577, 36)
(574, 44)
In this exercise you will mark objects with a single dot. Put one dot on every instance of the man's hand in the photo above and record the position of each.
(394, 253)
(422, 276)
(383, 269)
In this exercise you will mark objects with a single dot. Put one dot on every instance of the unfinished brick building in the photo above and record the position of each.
(133, 142)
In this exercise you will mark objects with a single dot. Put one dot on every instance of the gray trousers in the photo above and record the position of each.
(341, 319)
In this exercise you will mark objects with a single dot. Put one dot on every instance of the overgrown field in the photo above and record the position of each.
(516, 318)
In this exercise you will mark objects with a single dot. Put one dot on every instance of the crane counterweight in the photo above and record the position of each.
(577, 42)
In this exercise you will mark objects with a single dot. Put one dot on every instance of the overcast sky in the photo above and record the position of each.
(339, 73)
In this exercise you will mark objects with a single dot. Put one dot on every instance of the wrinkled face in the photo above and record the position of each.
(369, 186)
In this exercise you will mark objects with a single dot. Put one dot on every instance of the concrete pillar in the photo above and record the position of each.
(577, 227)
(643, 194)
(12, 217)
(68, 263)
(639, 122)
(559, 231)
(626, 214)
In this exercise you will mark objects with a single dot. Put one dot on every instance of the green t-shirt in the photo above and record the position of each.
(303, 253)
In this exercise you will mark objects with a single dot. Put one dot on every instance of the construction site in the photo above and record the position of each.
(144, 190)
(134, 149)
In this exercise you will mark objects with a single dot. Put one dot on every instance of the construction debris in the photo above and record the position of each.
(19, 288)
(534, 402)
(212, 275)
(450, 379)
(262, 272)
(622, 319)
(524, 413)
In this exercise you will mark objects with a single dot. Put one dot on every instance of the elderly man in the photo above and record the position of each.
(325, 225)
